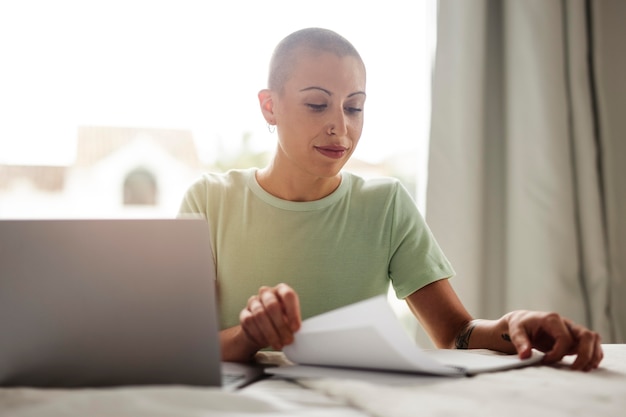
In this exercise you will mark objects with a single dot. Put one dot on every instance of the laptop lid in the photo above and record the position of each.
(107, 302)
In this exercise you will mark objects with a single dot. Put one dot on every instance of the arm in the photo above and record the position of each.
(269, 319)
(236, 346)
(449, 324)
(440, 312)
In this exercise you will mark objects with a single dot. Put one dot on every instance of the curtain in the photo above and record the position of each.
(526, 180)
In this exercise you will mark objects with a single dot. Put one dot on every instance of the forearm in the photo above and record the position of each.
(450, 325)
(485, 334)
(236, 346)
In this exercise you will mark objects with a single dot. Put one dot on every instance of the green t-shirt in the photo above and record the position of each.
(341, 249)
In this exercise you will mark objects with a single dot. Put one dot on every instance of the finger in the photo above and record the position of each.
(589, 350)
(275, 313)
(585, 345)
(598, 354)
(519, 338)
(289, 299)
(557, 329)
(259, 324)
(250, 329)
(291, 305)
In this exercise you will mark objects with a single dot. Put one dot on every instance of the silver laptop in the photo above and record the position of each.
(108, 303)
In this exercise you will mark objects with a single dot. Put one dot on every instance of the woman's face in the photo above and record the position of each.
(319, 114)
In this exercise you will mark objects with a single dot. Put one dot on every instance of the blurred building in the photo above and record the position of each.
(137, 172)
(118, 172)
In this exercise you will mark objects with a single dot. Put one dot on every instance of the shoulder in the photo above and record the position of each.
(213, 188)
(214, 181)
(375, 187)
(386, 196)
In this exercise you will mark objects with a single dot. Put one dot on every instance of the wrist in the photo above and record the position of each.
(502, 336)
(236, 346)
(486, 334)
(462, 339)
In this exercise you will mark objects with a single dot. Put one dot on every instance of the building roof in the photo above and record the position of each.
(97, 142)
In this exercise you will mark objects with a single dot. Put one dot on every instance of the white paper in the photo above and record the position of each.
(367, 335)
(363, 335)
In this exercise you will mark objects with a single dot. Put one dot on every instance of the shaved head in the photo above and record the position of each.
(311, 40)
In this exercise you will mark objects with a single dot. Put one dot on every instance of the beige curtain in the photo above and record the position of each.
(527, 186)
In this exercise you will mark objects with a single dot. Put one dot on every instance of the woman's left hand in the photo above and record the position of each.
(554, 335)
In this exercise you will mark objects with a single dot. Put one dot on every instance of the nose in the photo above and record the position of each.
(337, 124)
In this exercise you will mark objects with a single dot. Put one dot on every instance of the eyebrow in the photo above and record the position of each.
(330, 93)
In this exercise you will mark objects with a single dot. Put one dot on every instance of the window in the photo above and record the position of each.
(140, 188)
(192, 65)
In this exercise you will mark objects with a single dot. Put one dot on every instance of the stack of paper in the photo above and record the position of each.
(368, 336)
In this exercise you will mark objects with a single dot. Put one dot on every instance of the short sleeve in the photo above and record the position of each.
(416, 259)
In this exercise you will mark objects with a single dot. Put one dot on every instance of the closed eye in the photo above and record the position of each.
(317, 107)
(353, 109)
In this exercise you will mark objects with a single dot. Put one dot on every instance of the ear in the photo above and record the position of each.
(266, 101)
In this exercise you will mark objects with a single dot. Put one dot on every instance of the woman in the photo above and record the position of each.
(300, 237)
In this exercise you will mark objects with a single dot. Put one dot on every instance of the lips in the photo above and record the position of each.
(334, 152)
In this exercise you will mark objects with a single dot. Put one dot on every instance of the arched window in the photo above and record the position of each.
(140, 188)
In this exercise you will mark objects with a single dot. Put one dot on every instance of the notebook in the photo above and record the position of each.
(87, 303)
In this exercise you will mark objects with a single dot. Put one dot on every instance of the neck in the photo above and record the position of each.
(296, 187)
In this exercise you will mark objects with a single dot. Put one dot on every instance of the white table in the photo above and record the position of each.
(534, 391)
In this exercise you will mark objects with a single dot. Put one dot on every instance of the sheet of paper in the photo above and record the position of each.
(367, 335)
(364, 335)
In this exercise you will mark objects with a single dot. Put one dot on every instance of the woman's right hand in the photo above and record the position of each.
(271, 317)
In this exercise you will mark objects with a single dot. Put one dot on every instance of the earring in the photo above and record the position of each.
(271, 128)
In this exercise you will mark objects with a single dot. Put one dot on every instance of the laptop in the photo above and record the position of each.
(88, 303)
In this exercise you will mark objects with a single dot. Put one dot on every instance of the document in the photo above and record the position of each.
(368, 336)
